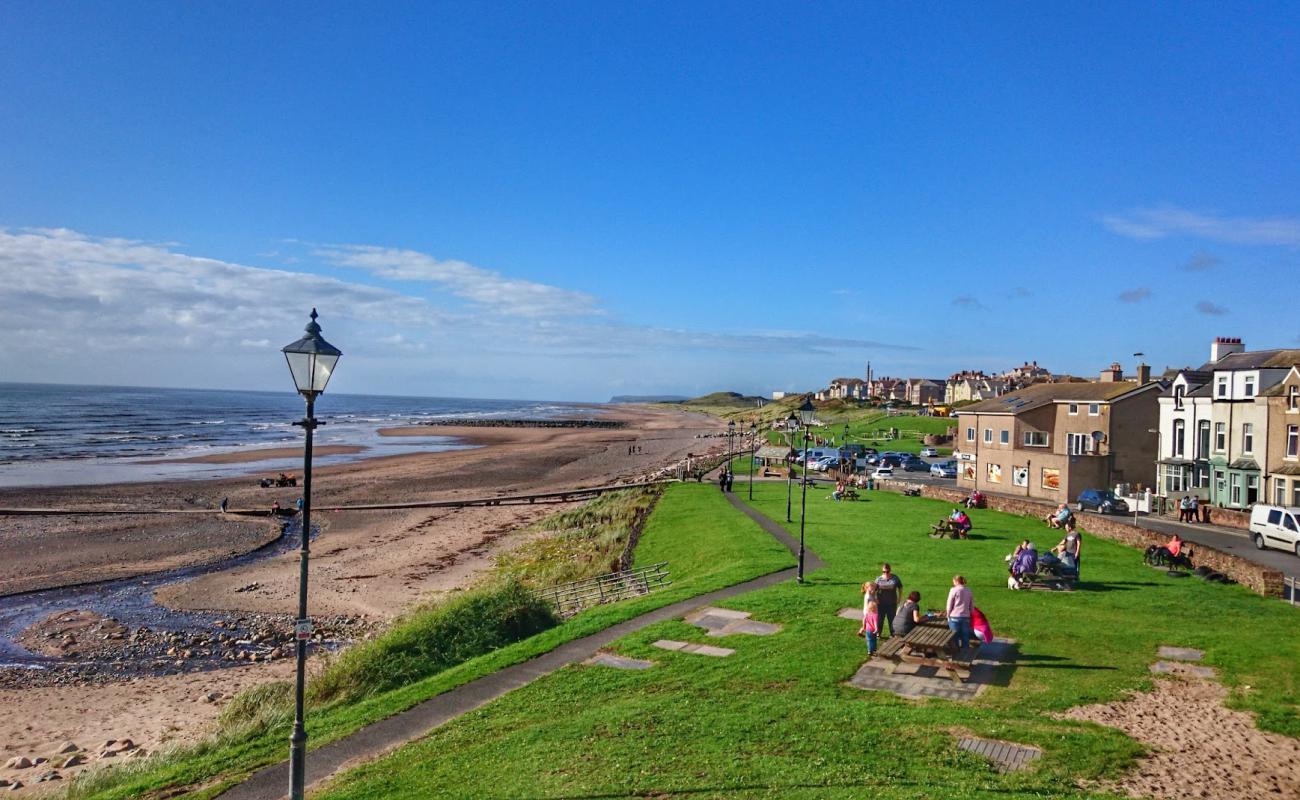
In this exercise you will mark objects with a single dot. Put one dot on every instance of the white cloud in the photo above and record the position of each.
(1165, 221)
(481, 286)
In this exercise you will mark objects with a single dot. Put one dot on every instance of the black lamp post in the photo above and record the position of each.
(731, 431)
(806, 413)
(791, 424)
(753, 451)
(311, 362)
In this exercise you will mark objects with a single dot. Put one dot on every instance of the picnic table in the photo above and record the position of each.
(944, 529)
(930, 643)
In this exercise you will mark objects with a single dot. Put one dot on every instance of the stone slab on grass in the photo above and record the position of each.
(618, 662)
(1007, 756)
(1180, 668)
(1180, 653)
(688, 647)
(916, 680)
(725, 622)
(854, 614)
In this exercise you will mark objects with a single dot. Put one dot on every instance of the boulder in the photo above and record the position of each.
(68, 747)
(18, 762)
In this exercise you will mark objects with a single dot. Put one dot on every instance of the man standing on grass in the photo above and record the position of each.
(888, 589)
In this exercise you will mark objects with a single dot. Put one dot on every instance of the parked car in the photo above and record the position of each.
(1276, 526)
(1103, 500)
(916, 465)
(944, 469)
(929, 452)
(883, 472)
(889, 461)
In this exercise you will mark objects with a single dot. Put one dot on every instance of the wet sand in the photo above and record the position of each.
(262, 454)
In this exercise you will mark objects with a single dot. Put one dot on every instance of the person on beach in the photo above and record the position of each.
(888, 588)
(275, 508)
(958, 610)
(909, 615)
(225, 501)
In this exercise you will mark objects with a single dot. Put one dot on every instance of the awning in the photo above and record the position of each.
(1287, 469)
(1176, 462)
(1244, 464)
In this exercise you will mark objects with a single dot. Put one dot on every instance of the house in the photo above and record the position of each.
(1051, 441)
(1283, 451)
(847, 389)
(923, 391)
(1026, 374)
(971, 386)
(1230, 452)
(887, 388)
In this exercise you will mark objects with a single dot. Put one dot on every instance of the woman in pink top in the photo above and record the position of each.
(960, 605)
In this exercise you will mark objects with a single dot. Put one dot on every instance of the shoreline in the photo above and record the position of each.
(262, 454)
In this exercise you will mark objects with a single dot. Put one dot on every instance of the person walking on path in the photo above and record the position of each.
(960, 604)
(889, 587)
(1193, 509)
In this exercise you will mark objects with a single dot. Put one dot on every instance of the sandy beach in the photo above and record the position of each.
(370, 564)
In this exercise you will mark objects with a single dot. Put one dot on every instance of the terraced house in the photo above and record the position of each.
(1220, 436)
(1283, 401)
(1053, 440)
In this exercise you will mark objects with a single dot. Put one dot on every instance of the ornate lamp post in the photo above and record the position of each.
(791, 424)
(311, 362)
(753, 452)
(731, 431)
(803, 499)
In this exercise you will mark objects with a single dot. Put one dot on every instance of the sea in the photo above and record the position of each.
(53, 435)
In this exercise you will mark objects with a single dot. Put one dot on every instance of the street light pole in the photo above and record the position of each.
(731, 430)
(753, 452)
(311, 362)
(803, 502)
(791, 422)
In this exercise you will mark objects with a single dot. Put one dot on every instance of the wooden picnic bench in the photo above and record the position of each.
(931, 643)
(943, 529)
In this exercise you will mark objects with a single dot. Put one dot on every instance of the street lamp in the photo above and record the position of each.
(731, 431)
(311, 362)
(753, 451)
(791, 424)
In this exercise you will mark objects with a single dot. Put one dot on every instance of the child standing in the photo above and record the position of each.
(871, 625)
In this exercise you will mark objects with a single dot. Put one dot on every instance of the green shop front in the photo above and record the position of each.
(1235, 484)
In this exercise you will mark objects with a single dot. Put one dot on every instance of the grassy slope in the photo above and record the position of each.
(706, 543)
(777, 720)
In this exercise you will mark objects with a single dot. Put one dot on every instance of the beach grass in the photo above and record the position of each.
(707, 544)
(777, 718)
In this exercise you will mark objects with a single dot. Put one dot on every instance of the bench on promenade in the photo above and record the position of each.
(932, 644)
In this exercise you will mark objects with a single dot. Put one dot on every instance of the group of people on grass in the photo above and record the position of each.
(881, 609)
(1063, 560)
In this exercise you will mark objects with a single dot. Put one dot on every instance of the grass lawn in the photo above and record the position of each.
(706, 543)
(776, 720)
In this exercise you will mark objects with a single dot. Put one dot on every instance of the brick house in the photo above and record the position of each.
(1283, 456)
(1053, 440)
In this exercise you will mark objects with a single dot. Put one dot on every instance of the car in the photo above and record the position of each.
(1103, 500)
(916, 465)
(929, 452)
(883, 472)
(1275, 526)
(944, 469)
(889, 461)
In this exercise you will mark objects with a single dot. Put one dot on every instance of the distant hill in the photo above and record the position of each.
(648, 398)
(724, 400)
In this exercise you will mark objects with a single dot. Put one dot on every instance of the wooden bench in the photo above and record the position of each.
(930, 644)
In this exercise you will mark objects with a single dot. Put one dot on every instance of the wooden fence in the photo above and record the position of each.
(570, 598)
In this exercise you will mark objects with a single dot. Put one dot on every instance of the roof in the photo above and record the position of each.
(1287, 469)
(1257, 359)
(1043, 394)
(1279, 389)
(774, 451)
(1244, 463)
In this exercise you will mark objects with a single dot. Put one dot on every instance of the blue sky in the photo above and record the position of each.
(573, 200)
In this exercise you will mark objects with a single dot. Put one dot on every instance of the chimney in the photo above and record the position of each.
(1112, 374)
(1224, 345)
(1143, 374)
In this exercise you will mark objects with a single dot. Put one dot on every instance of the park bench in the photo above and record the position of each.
(943, 529)
(932, 644)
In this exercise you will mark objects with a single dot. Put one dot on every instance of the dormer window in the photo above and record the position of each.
(1221, 389)
(1293, 398)
(1249, 389)
(1178, 397)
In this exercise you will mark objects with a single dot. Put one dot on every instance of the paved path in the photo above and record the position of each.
(271, 783)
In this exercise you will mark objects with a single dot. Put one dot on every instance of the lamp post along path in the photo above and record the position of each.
(806, 413)
(753, 453)
(311, 363)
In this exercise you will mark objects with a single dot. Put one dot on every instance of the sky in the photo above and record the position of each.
(575, 200)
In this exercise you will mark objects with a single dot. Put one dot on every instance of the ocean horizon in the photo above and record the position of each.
(61, 434)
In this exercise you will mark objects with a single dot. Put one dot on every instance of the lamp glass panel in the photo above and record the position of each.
(324, 368)
(300, 367)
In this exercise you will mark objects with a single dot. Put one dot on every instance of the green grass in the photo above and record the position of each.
(707, 545)
(776, 719)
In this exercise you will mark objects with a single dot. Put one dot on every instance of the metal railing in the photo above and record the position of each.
(570, 598)
(1290, 590)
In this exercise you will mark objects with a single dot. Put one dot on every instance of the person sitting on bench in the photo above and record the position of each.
(909, 615)
(1172, 554)
(961, 523)
(1060, 518)
(976, 499)
(1023, 563)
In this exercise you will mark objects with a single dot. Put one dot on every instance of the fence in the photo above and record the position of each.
(1290, 586)
(570, 598)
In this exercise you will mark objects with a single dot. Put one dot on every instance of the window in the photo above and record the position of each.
(970, 434)
(1295, 493)
(1078, 444)
(1178, 397)
(1279, 492)
(1221, 388)
(1175, 479)
(1203, 439)
(1004, 437)
(1074, 409)
(1035, 439)
(1220, 436)
(1249, 390)
(1094, 409)
(1180, 435)
(1234, 481)
(1201, 477)
(1247, 437)
(1252, 489)
(1292, 441)
(1274, 516)
(1293, 398)
(988, 436)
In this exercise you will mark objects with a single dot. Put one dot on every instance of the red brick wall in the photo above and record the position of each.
(1257, 578)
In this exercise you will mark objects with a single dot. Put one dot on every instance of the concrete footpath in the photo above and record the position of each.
(372, 741)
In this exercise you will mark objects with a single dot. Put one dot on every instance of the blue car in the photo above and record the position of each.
(1103, 500)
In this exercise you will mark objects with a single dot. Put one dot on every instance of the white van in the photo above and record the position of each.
(1276, 526)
